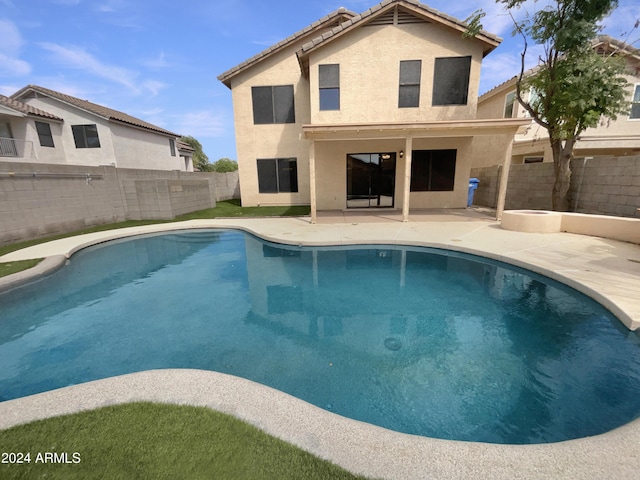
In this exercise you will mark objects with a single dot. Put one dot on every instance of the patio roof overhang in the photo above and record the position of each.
(408, 131)
(439, 129)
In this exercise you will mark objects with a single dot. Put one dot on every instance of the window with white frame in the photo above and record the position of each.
(635, 103)
(510, 105)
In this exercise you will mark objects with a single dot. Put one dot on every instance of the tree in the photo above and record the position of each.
(200, 159)
(573, 86)
(225, 165)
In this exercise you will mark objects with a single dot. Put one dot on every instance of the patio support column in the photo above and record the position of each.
(312, 180)
(504, 179)
(408, 146)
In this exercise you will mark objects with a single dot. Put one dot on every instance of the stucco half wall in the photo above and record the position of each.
(330, 145)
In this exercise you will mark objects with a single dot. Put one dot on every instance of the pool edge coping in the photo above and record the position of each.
(582, 458)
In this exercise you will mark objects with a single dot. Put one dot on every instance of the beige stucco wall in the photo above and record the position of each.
(369, 59)
(366, 96)
(274, 140)
(611, 137)
(136, 148)
(122, 146)
(331, 171)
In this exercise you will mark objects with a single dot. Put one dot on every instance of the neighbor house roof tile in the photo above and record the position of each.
(99, 110)
(18, 106)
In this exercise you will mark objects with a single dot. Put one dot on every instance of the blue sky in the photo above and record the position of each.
(158, 59)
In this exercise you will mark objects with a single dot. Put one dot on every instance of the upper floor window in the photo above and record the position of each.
(172, 146)
(273, 104)
(451, 80)
(44, 134)
(509, 105)
(276, 175)
(409, 92)
(635, 103)
(329, 81)
(86, 136)
(433, 170)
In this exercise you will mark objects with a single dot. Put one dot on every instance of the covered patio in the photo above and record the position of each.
(331, 144)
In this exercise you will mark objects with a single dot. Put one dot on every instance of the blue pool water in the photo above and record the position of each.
(417, 340)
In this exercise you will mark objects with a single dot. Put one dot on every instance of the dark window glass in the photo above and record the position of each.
(635, 103)
(277, 175)
(329, 82)
(86, 136)
(283, 104)
(433, 170)
(44, 134)
(273, 104)
(172, 147)
(409, 93)
(451, 80)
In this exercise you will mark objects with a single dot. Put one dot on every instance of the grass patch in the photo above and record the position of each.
(223, 209)
(18, 266)
(147, 440)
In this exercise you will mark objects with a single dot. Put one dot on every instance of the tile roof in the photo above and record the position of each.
(99, 110)
(185, 146)
(18, 106)
(336, 16)
(412, 5)
(343, 20)
(604, 43)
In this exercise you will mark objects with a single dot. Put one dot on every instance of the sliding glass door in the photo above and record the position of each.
(371, 179)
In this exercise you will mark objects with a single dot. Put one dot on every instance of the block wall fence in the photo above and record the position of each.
(38, 200)
(600, 185)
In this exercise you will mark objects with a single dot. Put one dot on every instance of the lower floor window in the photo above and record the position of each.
(276, 175)
(433, 170)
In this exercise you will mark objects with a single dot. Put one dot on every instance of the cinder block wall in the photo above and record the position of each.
(38, 200)
(601, 185)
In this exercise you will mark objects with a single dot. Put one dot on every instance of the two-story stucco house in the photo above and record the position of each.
(370, 110)
(44, 126)
(611, 137)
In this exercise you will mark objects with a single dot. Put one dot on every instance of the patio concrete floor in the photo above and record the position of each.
(606, 270)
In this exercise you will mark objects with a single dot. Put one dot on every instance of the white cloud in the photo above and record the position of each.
(154, 87)
(12, 42)
(77, 58)
(13, 66)
(203, 123)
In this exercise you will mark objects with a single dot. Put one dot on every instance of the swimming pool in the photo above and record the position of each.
(416, 340)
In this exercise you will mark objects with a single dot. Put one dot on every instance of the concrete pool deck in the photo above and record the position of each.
(606, 270)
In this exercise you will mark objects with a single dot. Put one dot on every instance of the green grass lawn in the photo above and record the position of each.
(223, 209)
(155, 441)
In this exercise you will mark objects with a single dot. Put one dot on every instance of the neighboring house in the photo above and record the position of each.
(376, 110)
(611, 137)
(51, 127)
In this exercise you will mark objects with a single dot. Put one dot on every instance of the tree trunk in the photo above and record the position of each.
(562, 166)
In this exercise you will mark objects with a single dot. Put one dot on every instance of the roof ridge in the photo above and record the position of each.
(25, 108)
(372, 10)
(340, 12)
(95, 109)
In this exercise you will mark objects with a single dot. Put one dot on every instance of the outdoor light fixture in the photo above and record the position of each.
(401, 153)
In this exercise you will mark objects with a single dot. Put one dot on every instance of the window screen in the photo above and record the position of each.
(44, 134)
(273, 104)
(329, 82)
(277, 175)
(409, 92)
(451, 80)
(86, 136)
(433, 170)
(635, 103)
